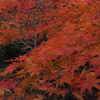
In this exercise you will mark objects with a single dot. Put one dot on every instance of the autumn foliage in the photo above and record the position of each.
(68, 62)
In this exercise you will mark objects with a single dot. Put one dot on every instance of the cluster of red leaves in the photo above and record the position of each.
(72, 28)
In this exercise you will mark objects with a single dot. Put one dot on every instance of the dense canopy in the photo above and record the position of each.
(67, 62)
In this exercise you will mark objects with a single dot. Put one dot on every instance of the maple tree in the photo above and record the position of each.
(72, 29)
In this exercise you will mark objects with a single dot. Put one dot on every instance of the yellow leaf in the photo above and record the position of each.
(92, 73)
(1, 92)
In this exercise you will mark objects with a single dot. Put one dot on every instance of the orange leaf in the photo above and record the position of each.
(77, 95)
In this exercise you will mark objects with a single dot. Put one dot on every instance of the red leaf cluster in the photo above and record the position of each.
(72, 28)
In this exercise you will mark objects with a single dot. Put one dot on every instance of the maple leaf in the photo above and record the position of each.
(71, 37)
(77, 95)
(7, 85)
(11, 68)
(88, 83)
